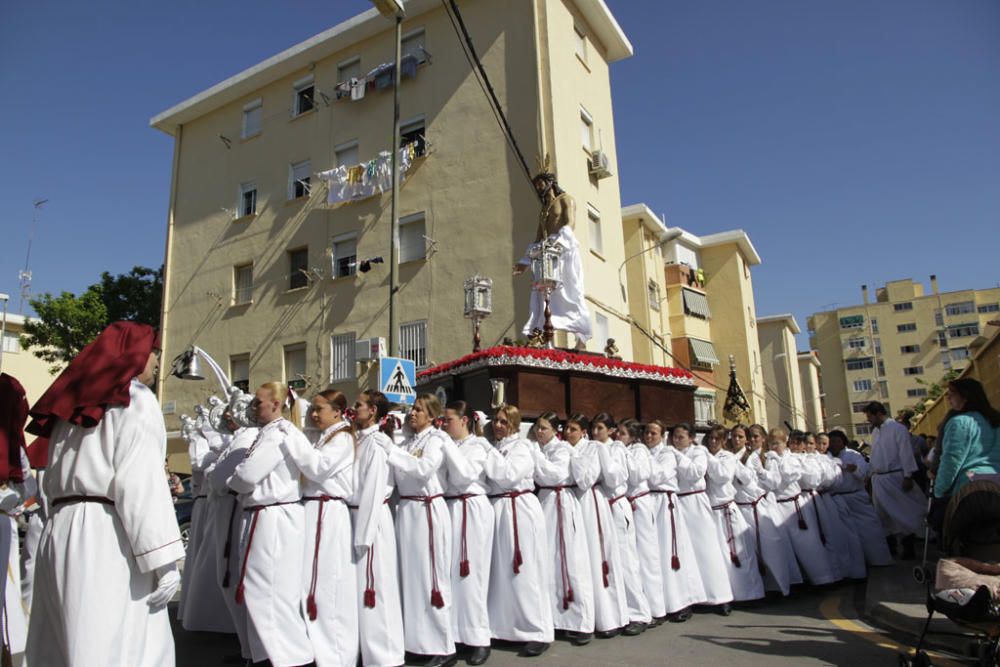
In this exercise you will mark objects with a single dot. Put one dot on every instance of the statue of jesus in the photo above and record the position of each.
(555, 226)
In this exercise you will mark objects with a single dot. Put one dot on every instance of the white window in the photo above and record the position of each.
(342, 357)
(586, 130)
(860, 363)
(11, 342)
(600, 330)
(959, 353)
(413, 45)
(863, 429)
(863, 385)
(653, 292)
(295, 365)
(916, 393)
(345, 256)
(913, 370)
(413, 132)
(909, 349)
(581, 44)
(908, 326)
(247, 204)
(704, 409)
(304, 90)
(413, 342)
(298, 179)
(883, 389)
(989, 308)
(239, 371)
(412, 244)
(594, 227)
(253, 117)
(857, 343)
(347, 154)
(349, 69)
(900, 307)
(960, 308)
(242, 284)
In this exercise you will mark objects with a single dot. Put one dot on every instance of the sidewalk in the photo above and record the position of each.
(896, 602)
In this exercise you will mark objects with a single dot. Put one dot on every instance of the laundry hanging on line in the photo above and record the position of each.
(360, 181)
(380, 78)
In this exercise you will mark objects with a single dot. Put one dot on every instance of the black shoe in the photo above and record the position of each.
(680, 616)
(534, 649)
(633, 629)
(579, 638)
(891, 543)
(908, 553)
(659, 620)
(442, 661)
(608, 634)
(479, 655)
(725, 609)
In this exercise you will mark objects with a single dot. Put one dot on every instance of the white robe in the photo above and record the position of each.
(621, 510)
(327, 488)
(272, 544)
(567, 304)
(198, 449)
(571, 581)
(610, 605)
(520, 576)
(424, 553)
(647, 538)
(838, 532)
(735, 536)
(682, 585)
(781, 475)
(227, 521)
(471, 538)
(14, 625)
(760, 511)
(848, 491)
(695, 510)
(380, 617)
(901, 512)
(96, 562)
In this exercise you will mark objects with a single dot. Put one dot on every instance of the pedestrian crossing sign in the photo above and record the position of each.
(397, 379)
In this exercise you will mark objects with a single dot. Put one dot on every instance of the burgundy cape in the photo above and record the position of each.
(13, 413)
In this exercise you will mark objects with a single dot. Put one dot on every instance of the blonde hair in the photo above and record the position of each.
(279, 392)
(512, 414)
(430, 404)
(779, 433)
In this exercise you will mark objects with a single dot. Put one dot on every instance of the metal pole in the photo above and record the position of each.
(394, 234)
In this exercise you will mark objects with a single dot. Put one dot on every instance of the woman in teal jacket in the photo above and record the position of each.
(969, 443)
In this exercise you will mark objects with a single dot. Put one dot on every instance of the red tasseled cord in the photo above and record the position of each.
(370, 579)
(463, 568)
(437, 600)
(675, 563)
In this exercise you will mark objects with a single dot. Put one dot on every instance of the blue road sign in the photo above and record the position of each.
(397, 379)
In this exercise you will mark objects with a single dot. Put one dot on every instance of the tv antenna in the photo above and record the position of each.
(25, 275)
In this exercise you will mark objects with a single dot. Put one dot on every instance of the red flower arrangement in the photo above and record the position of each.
(503, 355)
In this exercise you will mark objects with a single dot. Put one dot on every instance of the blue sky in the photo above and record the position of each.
(855, 141)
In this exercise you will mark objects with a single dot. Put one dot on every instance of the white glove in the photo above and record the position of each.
(168, 580)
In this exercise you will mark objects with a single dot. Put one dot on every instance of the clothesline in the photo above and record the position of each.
(360, 181)
(380, 78)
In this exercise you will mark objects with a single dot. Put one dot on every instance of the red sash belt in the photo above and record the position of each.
(463, 564)
(690, 493)
(756, 526)
(66, 500)
(632, 499)
(567, 585)
(605, 569)
(227, 551)
(819, 523)
(369, 592)
(612, 501)
(513, 495)
(246, 553)
(311, 608)
(437, 600)
(798, 511)
(730, 534)
(675, 561)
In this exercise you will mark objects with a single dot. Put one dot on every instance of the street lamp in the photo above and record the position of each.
(394, 9)
(3, 327)
(546, 267)
(478, 303)
(666, 238)
(187, 367)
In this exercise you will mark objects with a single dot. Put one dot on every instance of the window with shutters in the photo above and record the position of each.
(247, 204)
(253, 117)
(242, 284)
(345, 256)
(239, 371)
(298, 265)
(860, 363)
(413, 44)
(303, 100)
(347, 154)
(863, 385)
(342, 360)
(299, 174)
(413, 342)
(295, 365)
(412, 241)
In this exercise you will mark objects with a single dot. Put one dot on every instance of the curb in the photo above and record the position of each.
(885, 617)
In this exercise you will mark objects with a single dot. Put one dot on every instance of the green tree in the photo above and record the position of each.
(65, 324)
(934, 390)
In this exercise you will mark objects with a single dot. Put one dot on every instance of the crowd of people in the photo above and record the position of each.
(427, 538)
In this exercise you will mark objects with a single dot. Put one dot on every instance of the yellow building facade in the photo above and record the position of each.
(891, 347)
(32, 372)
(782, 378)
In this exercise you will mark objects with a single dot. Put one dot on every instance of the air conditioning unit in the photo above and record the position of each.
(368, 349)
(599, 165)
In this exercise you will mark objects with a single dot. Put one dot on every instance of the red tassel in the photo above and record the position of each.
(675, 563)
(802, 525)
(736, 561)
(370, 598)
(517, 561)
(239, 594)
(463, 568)
(605, 570)
(436, 600)
(311, 607)
(569, 595)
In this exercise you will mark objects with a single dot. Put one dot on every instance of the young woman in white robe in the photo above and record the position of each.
(227, 522)
(271, 578)
(848, 491)
(423, 531)
(559, 472)
(602, 427)
(692, 500)
(781, 473)
(520, 575)
(771, 546)
(13, 494)
(380, 609)
(643, 505)
(465, 454)
(610, 606)
(734, 534)
(682, 587)
(106, 564)
(327, 488)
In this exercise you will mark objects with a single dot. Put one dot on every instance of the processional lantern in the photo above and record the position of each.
(546, 267)
(478, 303)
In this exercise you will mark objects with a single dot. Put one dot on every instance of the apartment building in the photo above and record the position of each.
(782, 378)
(32, 372)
